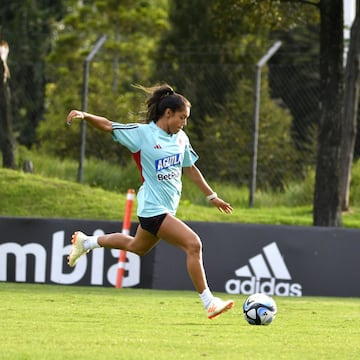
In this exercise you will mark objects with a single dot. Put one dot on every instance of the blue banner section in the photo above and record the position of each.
(238, 258)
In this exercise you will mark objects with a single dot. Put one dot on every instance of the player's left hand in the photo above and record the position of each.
(223, 206)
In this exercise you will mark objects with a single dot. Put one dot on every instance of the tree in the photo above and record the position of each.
(327, 210)
(6, 121)
(26, 26)
(351, 106)
(327, 195)
(132, 29)
(214, 66)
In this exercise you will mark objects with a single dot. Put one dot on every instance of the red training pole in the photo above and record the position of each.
(125, 230)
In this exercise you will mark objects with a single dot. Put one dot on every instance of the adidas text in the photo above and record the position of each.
(266, 286)
(266, 273)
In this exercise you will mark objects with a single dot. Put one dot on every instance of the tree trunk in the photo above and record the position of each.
(327, 210)
(7, 144)
(351, 102)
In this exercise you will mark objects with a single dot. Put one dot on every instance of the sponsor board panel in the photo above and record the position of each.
(238, 258)
(278, 260)
(35, 250)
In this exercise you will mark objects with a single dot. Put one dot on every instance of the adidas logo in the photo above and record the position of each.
(266, 273)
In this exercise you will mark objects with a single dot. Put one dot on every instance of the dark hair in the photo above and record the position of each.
(162, 97)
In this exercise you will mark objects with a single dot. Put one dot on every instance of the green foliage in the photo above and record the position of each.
(97, 173)
(123, 328)
(131, 29)
(214, 67)
(276, 153)
(25, 26)
(295, 194)
(297, 83)
(266, 16)
(205, 50)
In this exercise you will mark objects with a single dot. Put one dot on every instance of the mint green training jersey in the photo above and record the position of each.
(160, 157)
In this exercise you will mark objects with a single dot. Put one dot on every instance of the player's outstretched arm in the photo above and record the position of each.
(98, 122)
(197, 178)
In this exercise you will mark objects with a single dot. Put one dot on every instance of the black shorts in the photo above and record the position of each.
(152, 224)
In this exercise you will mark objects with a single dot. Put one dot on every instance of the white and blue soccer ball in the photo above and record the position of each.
(259, 309)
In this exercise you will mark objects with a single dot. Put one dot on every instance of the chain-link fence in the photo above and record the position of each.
(221, 122)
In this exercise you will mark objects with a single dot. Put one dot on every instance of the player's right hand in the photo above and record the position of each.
(74, 114)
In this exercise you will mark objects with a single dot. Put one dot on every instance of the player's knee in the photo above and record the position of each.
(194, 246)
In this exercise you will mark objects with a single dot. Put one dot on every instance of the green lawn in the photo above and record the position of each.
(69, 322)
(31, 195)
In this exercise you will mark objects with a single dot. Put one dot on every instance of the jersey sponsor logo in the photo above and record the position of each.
(171, 175)
(168, 161)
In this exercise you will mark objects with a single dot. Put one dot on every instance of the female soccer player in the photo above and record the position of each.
(162, 152)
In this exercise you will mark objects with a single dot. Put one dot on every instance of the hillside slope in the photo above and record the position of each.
(31, 195)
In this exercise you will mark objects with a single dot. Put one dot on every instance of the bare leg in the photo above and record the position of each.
(142, 243)
(177, 233)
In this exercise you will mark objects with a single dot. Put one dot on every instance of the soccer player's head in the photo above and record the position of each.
(160, 99)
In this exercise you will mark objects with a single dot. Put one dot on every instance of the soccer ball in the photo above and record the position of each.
(259, 309)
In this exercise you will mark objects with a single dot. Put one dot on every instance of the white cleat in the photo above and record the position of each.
(218, 306)
(77, 248)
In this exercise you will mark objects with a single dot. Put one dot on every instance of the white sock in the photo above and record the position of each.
(206, 297)
(91, 242)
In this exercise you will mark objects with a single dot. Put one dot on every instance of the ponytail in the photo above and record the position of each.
(162, 97)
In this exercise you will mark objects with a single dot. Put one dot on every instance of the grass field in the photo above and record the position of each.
(68, 322)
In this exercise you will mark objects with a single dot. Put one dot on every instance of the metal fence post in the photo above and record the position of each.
(87, 61)
(259, 66)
